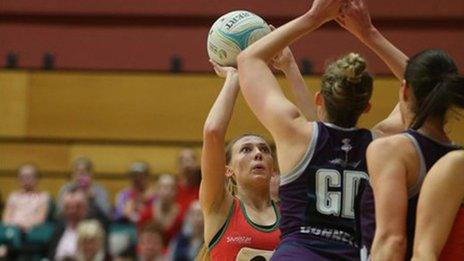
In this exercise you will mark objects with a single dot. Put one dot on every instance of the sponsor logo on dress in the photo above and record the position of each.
(238, 240)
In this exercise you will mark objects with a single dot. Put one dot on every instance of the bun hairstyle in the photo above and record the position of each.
(436, 85)
(347, 88)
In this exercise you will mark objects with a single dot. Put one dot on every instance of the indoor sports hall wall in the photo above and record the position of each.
(154, 35)
(50, 118)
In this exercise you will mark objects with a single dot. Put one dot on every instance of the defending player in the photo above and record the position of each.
(321, 162)
(429, 77)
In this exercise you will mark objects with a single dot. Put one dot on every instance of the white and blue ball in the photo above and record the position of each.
(232, 33)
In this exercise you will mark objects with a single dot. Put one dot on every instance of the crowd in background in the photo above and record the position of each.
(159, 220)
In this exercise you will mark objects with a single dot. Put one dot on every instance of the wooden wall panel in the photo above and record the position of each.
(137, 107)
(142, 107)
(13, 103)
(50, 157)
(113, 160)
(117, 159)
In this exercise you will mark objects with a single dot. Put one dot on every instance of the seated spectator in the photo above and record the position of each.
(91, 241)
(150, 245)
(27, 207)
(189, 178)
(186, 245)
(64, 240)
(133, 201)
(165, 211)
(82, 179)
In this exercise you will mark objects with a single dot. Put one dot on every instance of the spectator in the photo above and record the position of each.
(133, 201)
(82, 179)
(27, 207)
(150, 245)
(189, 241)
(189, 178)
(91, 241)
(165, 211)
(64, 241)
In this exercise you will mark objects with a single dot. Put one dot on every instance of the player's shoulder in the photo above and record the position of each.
(397, 142)
(456, 157)
(454, 160)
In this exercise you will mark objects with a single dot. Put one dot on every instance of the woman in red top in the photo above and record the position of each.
(250, 164)
(243, 224)
(440, 211)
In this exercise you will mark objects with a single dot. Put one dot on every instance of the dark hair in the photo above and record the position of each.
(435, 84)
(347, 88)
(152, 228)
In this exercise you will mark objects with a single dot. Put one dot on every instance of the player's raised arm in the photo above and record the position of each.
(213, 161)
(286, 63)
(262, 91)
(356, 19)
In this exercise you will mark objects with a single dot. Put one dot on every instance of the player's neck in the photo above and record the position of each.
(434, 130)
(254, 198)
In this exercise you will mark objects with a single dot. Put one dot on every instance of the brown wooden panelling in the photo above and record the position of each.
(53, 157)
(13, 108)
(107, 158)
(144, 107)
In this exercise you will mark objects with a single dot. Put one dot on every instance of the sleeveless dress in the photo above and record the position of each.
(318, 197)
(429, 151)
(454, 247)
(240, 231)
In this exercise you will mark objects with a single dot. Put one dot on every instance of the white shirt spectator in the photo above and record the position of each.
(67, 247)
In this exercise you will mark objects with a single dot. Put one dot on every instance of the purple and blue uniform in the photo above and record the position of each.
(318, 196)
(429, 151)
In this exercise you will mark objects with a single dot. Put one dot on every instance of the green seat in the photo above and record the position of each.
(10, 236)
(41, 234)
(127, 229)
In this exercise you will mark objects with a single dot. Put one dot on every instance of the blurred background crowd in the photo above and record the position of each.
(150, 219)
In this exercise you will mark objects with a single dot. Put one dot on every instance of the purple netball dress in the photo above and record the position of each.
(429, 151)
(318, 196)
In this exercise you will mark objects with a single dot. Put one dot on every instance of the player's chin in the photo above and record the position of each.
(261, 175)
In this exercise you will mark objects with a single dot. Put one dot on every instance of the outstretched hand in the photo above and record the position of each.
(355, 18)
(327, 10)
(223, 71)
